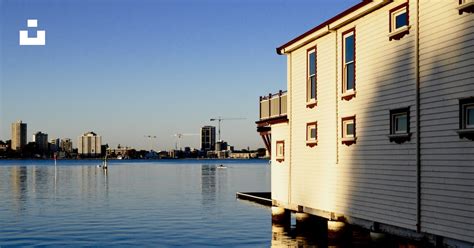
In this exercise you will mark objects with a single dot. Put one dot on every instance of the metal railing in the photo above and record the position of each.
(273, 105)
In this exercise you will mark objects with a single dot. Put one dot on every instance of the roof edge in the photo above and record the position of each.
(324, 24)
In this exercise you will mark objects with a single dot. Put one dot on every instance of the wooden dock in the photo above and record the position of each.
(263, 198)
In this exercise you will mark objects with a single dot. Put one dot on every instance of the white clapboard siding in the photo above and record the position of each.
(280, 170)
(375, 179)
(447, 74)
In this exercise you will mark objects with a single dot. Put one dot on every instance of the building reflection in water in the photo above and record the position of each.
(208, 183)
(213, 181)
(40, 183)
(19, 187)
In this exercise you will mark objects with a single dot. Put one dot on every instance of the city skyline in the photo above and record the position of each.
(135, 68)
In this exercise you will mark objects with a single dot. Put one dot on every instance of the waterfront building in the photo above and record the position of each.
(54, 145)
(41, 141)
(18, 135)
(89, 144)
(208, 138)
(66, 145)
(119, 152)
(377, 126)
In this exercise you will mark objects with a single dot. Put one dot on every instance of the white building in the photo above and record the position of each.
(377, 126)
(89, 144)
(18, 135)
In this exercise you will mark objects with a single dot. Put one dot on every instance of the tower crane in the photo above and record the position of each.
(150, 137)
(220, 119)
(179, 136)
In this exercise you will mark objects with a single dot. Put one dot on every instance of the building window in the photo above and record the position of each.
(466, 6)
(348, 130)
(349, 65)
(466, 118)
(311, 134)
(399, 22)
(311, 81)
(400, 125)
(280, 151)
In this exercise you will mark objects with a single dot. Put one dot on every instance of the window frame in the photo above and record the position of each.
(397, 136)
(345, 139)
(311, 102)
(280, 157)
(466, 6)
(465, 130)
(394, 32)
(311, 141)
(348, 94)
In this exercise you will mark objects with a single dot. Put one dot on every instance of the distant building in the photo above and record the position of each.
(41, 141)
(208, 138)
(18, 135)
(55, 145)
(89, 144)
(120, 151)
(66, 145)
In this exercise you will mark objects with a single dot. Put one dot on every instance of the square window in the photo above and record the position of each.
(399, 22)
(466, 6)
(349, 66)
(280, 150)
(348, 127)
(348, 130)
(467, 113)
(311, 133)
(398, 18)
(311, 85)
(470, 116)
(400, 125)
(466, 118)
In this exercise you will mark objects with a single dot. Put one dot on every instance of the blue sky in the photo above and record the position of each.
(129, 68)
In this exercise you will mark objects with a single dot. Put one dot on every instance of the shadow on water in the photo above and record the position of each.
(318, 236)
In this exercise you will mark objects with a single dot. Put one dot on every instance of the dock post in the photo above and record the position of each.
(311, 228)
(337, 229)
(281, 215)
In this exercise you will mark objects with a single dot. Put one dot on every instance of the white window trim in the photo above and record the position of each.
(465, 116)
(344, 129)
(280, 144)
(310, 100)
(345, 90)
(467, 3)
(394, 20)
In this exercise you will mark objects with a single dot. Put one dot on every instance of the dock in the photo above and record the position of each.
(263, 198)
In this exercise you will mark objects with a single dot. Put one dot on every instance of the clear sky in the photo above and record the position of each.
(129, 68)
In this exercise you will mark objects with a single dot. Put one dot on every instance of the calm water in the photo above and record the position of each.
(174, 203)
(186, 203)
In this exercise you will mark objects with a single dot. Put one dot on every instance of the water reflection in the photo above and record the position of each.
(19, 187)
(317, 236)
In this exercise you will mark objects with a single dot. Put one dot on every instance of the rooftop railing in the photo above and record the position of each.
(273, 105)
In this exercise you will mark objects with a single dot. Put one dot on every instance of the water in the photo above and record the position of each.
(187, 203)
(164, 203)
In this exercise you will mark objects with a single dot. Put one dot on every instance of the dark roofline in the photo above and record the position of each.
(324, 24)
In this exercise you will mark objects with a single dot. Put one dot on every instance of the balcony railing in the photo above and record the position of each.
(273, 105)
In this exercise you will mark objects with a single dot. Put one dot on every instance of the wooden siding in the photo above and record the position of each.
(280, 170)
(446, 72)
(375, 179)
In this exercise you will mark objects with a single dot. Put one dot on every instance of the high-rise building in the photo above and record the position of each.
(18, 135)
(89, 144)
(41, 141)
(54, 145)
(208, 138)
(66, 145)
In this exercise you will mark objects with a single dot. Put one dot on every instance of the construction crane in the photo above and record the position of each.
(150, 137)
(179, 136)
(219, 119)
